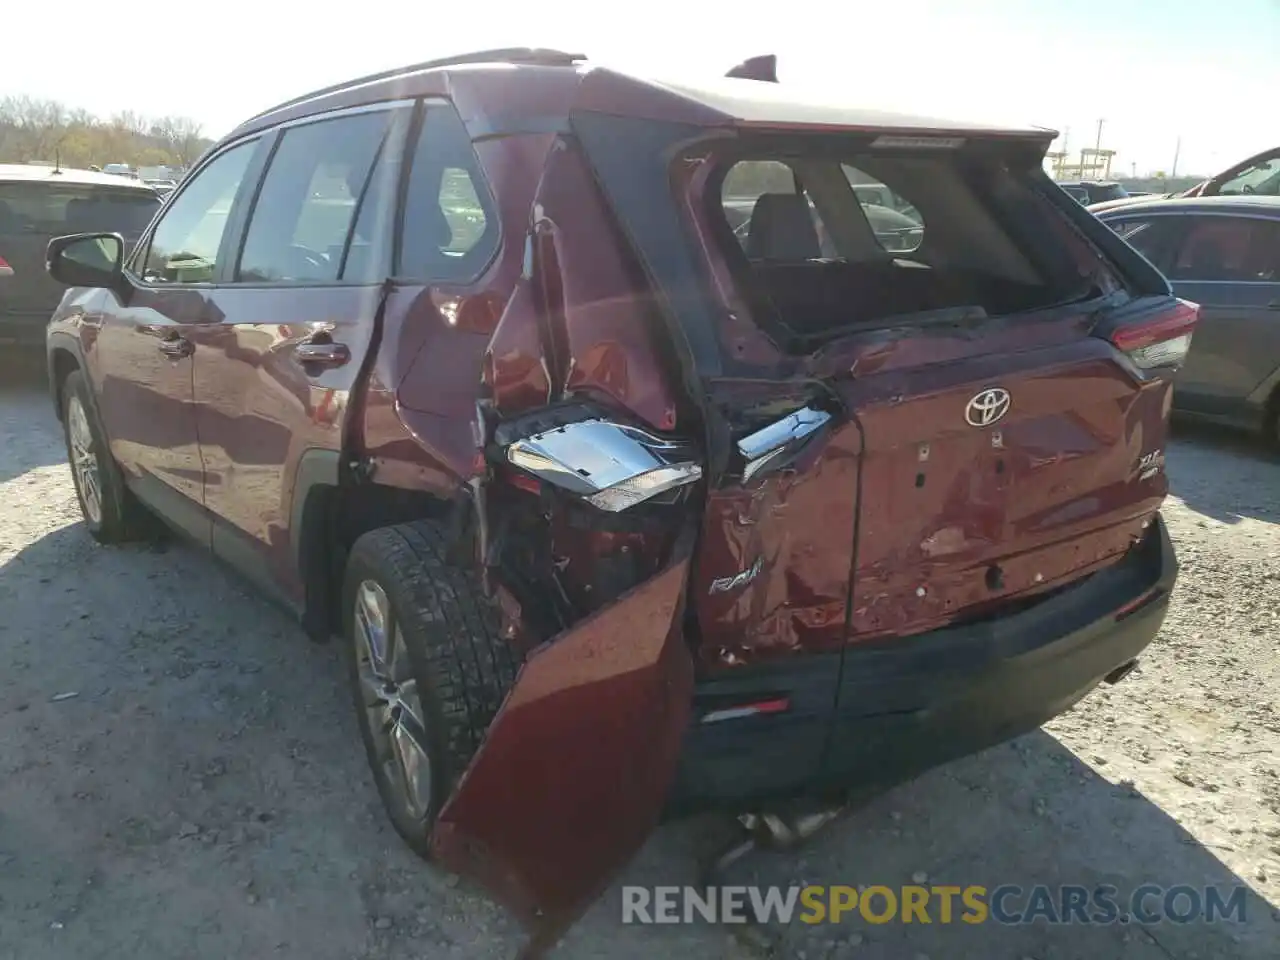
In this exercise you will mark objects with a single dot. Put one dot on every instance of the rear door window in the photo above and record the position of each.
(1227, 249)
(450, 229)
(300, 227)
(54, 209)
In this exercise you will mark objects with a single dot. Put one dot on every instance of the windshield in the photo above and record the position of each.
(1261, 178)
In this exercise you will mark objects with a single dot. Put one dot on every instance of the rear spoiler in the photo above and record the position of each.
(763, 68)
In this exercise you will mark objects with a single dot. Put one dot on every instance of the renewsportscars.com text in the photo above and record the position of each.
(1005, 904)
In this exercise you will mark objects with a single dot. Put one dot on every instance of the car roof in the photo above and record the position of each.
(546, 84)
(1268, 206)
(35, 173)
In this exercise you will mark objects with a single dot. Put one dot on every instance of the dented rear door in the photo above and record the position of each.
(576, 766)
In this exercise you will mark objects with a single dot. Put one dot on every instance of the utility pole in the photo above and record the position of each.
(1097, 144)
(1176, 151)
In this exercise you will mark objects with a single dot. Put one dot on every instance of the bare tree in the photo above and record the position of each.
(182, 136)
(45, 130)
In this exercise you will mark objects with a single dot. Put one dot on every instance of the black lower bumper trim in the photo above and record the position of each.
(877, 715)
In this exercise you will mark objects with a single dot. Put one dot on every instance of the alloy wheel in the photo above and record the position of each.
(392, 703)
(84, 461)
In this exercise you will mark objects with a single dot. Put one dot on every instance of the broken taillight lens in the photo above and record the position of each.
(1161, 341)
(610, 465)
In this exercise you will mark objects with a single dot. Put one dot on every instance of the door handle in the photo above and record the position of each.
(1274, 305)
(175, 348)
(322, 353)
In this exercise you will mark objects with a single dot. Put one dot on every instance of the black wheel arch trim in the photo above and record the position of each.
(56, 343)
(318, 476)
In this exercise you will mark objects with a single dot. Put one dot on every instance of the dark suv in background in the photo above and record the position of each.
(39, 203)
(637, 469)
(1089, 192)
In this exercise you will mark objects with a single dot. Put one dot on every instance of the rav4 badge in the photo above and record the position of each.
(725, 584)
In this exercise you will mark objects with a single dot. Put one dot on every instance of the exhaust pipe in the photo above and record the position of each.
(1120, 672)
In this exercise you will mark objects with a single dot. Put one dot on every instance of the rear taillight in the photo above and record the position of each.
(1160, 341)
(5, 269)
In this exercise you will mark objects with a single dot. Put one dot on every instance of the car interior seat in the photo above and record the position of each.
(782, 228)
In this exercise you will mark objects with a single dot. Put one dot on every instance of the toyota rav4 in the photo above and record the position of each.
(624, 508)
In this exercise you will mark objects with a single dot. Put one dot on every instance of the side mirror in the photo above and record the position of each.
(87, 260)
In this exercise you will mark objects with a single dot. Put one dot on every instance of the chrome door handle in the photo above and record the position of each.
(322, 353)
(176, 348)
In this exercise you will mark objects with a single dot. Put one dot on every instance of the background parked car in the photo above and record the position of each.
(1257, 176)
(40, 203)
(1223, 253)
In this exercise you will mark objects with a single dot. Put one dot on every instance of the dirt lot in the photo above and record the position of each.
(180, 774)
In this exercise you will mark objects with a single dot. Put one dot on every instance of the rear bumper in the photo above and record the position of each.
(24, 330)
(887, 712)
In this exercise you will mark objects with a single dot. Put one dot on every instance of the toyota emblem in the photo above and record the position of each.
(987, 407)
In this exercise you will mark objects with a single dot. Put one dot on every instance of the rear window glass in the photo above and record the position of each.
(834, 240)
(57, 209)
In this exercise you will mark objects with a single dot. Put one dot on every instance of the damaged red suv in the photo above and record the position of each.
(641, 465)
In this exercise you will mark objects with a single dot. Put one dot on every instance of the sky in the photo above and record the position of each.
(1153, 71)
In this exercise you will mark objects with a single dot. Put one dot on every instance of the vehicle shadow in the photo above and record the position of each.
(1209, 466)
(1026, 813)
(213, 743)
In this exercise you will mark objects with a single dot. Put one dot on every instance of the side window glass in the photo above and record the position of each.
(897, 224)
(770, 214)
(1264, 256)
(1149, 237)
(184, 245)
(370, 237)
(300, 224)
(1214, 248)
(450, 229)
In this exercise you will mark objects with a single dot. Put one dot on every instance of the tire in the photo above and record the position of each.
(444, 650)
(111, 513)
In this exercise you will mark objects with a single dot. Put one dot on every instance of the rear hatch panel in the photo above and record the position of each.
(907, 514)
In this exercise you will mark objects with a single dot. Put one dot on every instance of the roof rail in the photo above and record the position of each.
(531, 55)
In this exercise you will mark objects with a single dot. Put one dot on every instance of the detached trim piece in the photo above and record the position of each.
(611, 465)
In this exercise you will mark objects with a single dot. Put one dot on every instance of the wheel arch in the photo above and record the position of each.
(331, 508)
(64, 358)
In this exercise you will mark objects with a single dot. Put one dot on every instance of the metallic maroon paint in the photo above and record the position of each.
(591, 306)
(258, 408)
(554, 802)
(416, 435)
(801, 526)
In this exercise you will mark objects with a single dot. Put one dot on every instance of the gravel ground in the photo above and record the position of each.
(180, 773)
